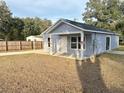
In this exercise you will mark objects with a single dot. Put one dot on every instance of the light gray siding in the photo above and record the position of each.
(114, 41)
(89, 45)
(100, 43)
(61, 41)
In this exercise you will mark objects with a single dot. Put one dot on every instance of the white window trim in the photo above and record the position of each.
(77, 43)
(110, 43)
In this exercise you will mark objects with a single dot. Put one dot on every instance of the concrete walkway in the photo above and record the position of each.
(41, 51)
(116, 52)
(21, 52)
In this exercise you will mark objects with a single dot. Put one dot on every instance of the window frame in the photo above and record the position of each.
(77, 43)
(73, 42)
(48, 42)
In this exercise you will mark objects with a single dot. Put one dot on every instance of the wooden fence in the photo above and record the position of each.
(19, 45)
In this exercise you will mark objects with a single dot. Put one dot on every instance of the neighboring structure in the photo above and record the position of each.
(121, 40)
(34, 38)
(76, 39)
(1, 39)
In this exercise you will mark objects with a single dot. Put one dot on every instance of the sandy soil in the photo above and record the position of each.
(35, 73)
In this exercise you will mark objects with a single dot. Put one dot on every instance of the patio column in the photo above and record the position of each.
(82, 41)
(51, 45)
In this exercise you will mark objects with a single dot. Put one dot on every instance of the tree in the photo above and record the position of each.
(35, 26)
(17, 29)
(103, 13)
(13, 28)
(5, 20)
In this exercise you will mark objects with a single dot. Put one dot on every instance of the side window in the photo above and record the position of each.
(79, 42)
(74, 42)
(48, 42)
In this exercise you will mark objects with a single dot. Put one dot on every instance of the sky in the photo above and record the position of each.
(49, 9)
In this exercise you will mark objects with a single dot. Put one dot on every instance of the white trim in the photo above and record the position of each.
(67, 33)
(109, 43)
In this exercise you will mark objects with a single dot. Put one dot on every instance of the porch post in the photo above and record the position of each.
(82, 41)
(51, 45)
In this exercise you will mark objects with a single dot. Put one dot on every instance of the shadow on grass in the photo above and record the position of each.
(91, 79)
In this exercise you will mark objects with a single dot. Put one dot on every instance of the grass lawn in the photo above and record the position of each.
(121, 48)
(35, 73)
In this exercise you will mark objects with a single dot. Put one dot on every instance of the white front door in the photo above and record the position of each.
(63, 44)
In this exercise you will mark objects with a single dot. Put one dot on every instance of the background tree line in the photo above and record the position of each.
(15, 28)
(105, 14)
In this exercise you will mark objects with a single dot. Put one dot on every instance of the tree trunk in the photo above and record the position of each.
(6, 38)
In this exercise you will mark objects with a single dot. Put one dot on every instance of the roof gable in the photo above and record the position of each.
(64, 28)
(79, 26)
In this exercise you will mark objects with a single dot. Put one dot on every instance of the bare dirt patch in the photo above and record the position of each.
(46, 74)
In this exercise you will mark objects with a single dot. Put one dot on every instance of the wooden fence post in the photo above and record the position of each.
(20, 44)
(41, 45)
(32, 45)
(6, 45)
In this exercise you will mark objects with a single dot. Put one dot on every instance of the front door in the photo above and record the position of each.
(107, 43)
(63, 44)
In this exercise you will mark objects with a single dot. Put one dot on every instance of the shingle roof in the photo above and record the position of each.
(86, 26)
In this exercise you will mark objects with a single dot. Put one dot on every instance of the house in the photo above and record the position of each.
(77, 39)
(1, 39)
(34, 38)
(121, 40)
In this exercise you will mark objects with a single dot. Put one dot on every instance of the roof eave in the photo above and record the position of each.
(87, 29)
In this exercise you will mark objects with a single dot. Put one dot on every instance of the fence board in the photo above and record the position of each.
(19, 45)
(2, 46)
(26, 45)
(38, 45)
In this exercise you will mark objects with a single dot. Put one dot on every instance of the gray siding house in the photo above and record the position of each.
(70, 38)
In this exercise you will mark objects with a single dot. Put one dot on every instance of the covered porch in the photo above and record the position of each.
(77, 45)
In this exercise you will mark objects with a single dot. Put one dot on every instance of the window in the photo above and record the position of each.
(76, 42)
(48, 42)
(79, 42)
